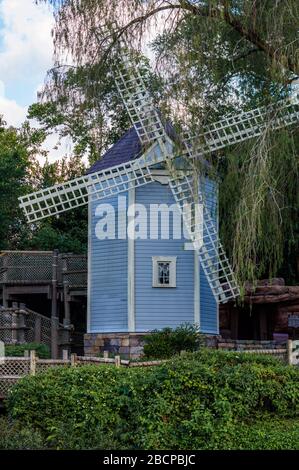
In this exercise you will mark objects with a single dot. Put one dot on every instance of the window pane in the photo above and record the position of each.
(163, 272)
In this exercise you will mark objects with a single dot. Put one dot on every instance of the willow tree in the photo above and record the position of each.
(212, 57)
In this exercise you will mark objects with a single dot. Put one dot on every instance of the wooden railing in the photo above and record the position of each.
(22, 325)
(42, 267)
(12, 369)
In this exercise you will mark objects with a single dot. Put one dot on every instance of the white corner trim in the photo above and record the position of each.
(88, 319)
(189, 246)
(196, 289)
(217, 226)
(131, 267)
(161, 179)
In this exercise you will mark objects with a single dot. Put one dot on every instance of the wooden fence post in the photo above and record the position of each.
(66, 300)
(32, 362)
(21, 327)
(54, 319)
(290, 351)
(117, 361)
(37, 329)
(73, 360)
(65, 354)
(14, 323)
(5, 279)
(106, 354)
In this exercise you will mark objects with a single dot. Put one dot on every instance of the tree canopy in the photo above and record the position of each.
(211, 58)
(22, 173)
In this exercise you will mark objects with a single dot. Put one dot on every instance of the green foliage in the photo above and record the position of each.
(267, 433)
(15, 157)
(20, 173)
(14, 436)
(215, 58)
(16, 350)
(168, 341)
(200, 400)
(87, 108)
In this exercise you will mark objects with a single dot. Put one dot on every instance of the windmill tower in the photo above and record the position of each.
(139, 284)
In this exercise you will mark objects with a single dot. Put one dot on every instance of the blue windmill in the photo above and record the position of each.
(139, 285)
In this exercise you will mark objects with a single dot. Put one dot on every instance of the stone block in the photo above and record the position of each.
(124, 350)
(136, 340)
(136, 351)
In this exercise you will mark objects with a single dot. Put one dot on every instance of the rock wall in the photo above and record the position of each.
(128, 345)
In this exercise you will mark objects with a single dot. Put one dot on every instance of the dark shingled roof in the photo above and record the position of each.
(128, 147)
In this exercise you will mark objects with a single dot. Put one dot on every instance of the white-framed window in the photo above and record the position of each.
(164, 271)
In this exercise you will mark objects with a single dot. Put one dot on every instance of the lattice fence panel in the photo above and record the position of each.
(6, 383)
(5, 326)
(12, 370)
(14, 366)
(45, 323)
(75, 270)
(26, 266)
(44, 365)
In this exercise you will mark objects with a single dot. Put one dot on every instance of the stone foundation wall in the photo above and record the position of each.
(128, 345)
(242, 345)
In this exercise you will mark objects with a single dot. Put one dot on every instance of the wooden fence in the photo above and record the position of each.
(12, 369)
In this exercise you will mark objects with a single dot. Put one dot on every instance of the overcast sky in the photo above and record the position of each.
(26, 53)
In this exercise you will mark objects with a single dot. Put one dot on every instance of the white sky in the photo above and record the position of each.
(26, 53)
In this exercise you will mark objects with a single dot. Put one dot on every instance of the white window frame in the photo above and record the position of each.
(172, 270)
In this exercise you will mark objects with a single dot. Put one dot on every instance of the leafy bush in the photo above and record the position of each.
(200, 400)
(168, 342)
(267, 434)
(15, 436)
(16, 350)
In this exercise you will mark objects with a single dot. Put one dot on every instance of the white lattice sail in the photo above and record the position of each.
(148, 125)
(213, 259)
(243, 126)
(74, 193)
(99, 185)
(138, 101)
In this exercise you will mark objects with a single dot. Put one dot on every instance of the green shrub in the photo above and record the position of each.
(267, 433)
(168, 342)
(16, 350)
(195, 401)
(13, 435)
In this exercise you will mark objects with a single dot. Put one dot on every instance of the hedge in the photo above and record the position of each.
(165, 343)
(15, 436)
(17, 350)
(198, 401)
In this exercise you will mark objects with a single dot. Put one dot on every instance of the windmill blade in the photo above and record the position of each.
(213, 259)
(77, 192)
(243, 126)
(137, 99)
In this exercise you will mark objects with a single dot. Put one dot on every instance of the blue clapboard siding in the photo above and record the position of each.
(159, 307)
(154, 307)
(208, 305)
(108, 279)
